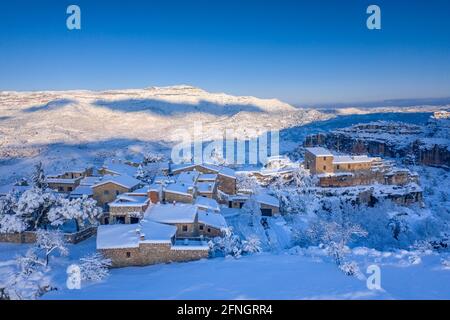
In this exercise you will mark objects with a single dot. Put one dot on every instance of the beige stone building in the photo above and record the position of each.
(189, 220)
(147, 243)
(345, 171)
(226, 177)
(108, 188)
(319, 160)
(128, 208)
(269, 205)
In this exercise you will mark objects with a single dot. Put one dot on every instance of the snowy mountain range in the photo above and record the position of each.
(64, 128)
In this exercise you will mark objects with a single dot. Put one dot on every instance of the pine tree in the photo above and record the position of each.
(38, 177)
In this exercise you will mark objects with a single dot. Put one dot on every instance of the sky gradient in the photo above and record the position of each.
(302, 52)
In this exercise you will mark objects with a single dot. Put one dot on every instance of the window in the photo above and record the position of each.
(324, 158)
(61, 189)
(201, 227)
(105, 192)
(185, 228)
(338, 167)
(209, 230)
(128, 254)
(349, 166)
(117, 192)
(69, 188)
(324, 167)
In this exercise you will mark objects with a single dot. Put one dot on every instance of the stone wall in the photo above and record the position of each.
(30, 236)
(171, 197)
(112, 190)
(226, 184)
(152, 253)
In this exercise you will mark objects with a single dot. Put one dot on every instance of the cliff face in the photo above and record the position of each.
(428, 145)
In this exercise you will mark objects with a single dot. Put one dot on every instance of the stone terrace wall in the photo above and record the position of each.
(152, 253)
(30, 236)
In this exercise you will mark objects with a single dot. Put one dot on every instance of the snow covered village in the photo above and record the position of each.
(321, 201)
(216, 157)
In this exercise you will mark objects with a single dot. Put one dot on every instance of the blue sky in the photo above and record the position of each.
(301, 52)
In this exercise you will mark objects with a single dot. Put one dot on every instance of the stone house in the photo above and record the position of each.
(318, 160)
(226, 177)
(62, 185)
(128, 208)
(179, 192)
(67, 181)
(109, 187)
(189, 220)
(270, 205)
(145, 244)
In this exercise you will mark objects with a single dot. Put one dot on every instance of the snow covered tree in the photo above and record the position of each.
(34, 205)
(94, 267)
(38, 177)
(81, 210)
(228, 245)
(10, 221)
(350, 269)
(248, 183)
(252, 244)
(49, 242)
(335, 236)
(140, 173)
(153, 158)
(29, 281)
(252, 209)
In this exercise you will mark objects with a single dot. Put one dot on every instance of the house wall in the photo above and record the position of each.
(318, 165)
(124, 212)
(352, 166)
(208, 231)
(154, 196)
(63, 187)
(192, 230)
(171, 197)
(275, 210)
(226, 184)
(151, 253)
(112, 189)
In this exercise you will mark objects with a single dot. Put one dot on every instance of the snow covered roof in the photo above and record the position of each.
(212, 219)
(335, 174)
(172, 213)
(61, 180)
(207, 177)
(122, 180)
(125, 200)
(224, 171)
(129, 235)
(141, 191)
(120, 168)
(319, 152)
(163, 179)
(81, 191)
(264, 198)
(89, 181)
(205, 187)
(352, 159)
(179, 188)
(207, 203)
(188, 177)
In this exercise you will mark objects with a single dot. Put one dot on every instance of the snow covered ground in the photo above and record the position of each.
(289, 274)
